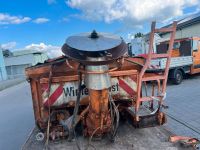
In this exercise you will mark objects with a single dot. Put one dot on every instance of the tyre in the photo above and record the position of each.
(178, 77)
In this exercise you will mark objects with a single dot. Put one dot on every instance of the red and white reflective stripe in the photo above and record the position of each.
(154, 67)
(56, 93)
(127, 87)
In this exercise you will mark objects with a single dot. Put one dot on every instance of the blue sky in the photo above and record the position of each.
(24, 22)
(53, 32)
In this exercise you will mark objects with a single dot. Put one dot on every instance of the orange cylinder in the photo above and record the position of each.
(98, 120)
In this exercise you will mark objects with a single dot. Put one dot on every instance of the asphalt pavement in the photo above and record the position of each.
(16, 116)
(9, 83)
(184, 104)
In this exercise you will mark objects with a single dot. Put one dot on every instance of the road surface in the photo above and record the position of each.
(184, 104)
(16, 116)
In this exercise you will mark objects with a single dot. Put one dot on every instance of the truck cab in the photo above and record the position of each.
(195, 68)
(185, 48)
(185, 57)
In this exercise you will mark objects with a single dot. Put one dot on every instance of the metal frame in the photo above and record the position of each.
(65, 70)
(144, 76)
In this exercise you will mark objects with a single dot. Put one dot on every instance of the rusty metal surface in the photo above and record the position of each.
(39, 80)
(187, 142)
(158, 77)
(122, 87)
(98, 119)
(94, 52)
(48, 84)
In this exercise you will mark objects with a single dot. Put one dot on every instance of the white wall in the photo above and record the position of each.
(3, 74)
(15, 66)
(193, 30)
(16, 71)
(19, 60)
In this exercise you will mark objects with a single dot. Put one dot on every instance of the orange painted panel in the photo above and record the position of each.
(175, 53)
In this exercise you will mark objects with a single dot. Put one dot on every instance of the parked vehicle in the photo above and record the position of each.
(185, 57)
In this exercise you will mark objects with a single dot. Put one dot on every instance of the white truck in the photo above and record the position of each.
(185, 56)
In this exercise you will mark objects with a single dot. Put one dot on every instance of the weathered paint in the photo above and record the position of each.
(62, 93)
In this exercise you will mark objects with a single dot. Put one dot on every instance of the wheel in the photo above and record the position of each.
(178, 77)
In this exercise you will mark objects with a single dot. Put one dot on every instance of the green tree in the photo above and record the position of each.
(137, 35)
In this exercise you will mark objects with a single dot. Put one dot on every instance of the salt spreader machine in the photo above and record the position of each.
(96, 84)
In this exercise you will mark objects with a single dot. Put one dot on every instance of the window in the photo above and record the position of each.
(176, 45)
(195, 45)
(8, 69)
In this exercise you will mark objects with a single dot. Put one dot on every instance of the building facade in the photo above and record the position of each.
(187, 27)
(16, 62)
(3, 73)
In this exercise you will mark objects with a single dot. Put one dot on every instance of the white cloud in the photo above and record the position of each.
(9, 45)
(8, 19)
(131, 11)
(52, 51)
(51, 1)
(41, 20)
(65, 19)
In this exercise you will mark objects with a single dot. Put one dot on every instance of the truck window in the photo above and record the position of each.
(195, 45)
(185, 48)
(162, 48)
(176, 45)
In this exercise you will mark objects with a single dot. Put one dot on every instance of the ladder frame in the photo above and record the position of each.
(142, 77)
